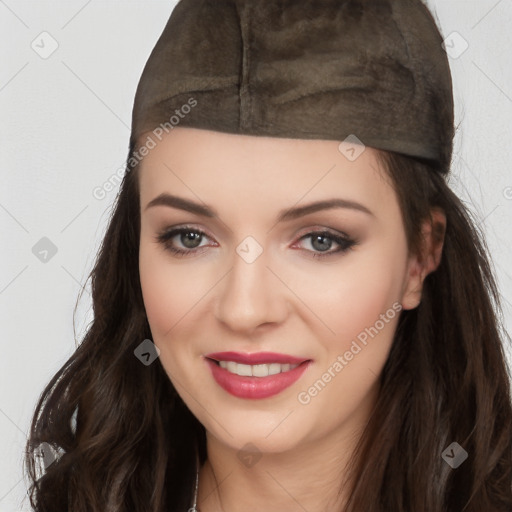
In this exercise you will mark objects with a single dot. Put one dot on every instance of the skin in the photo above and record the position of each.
(285, 301)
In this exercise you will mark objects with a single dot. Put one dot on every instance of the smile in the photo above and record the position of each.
(255, 376)
(257, 370)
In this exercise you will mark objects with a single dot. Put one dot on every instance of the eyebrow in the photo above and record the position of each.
(181, 203)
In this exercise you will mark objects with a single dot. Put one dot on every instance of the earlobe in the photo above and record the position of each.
(427, 261)
(411, 296)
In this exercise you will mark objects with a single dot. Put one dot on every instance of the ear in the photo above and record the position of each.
(428, 259)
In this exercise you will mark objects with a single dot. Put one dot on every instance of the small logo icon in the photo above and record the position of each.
(44, 45)
(44, 250)
(249, 249)
(454, 455)
(249, 455)
(351, 148)
(455, 45)
(147, 352)
(45, 453)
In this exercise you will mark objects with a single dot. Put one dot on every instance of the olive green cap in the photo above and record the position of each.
(323, 69)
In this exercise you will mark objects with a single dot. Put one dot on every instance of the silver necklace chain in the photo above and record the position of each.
(194, 505)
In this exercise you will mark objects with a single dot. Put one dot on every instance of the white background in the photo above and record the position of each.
(64, 130)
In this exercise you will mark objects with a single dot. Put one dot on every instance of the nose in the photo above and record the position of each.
(250, 296)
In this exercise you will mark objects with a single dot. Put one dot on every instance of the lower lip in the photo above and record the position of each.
(255, 387)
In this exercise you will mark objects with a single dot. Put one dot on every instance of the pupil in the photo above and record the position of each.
(189, 239)
(325, 242)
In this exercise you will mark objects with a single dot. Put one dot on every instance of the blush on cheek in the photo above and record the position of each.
(171, 295)
(365, 324)
(163, 308)
(160, 299)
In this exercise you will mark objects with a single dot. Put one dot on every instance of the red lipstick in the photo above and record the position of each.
(255, 358)
(251, 387)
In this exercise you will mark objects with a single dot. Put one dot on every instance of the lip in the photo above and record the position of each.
(255, 387)
(256, 358)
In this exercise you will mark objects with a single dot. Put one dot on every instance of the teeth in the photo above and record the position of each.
(262, 370)
(274, 368)
(256, 370)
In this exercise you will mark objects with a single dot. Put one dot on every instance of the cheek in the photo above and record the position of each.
(169, 298)
(159, 293)
(362, 307)
(169, 292)
(350, 296)
(366, 294)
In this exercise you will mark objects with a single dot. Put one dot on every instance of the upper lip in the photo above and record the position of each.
(256, 358)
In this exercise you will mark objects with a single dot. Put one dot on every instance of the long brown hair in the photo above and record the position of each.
(446, 379)
(127, 441)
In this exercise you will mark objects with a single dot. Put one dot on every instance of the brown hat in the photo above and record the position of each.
(323, 69)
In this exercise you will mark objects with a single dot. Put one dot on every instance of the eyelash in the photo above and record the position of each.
(345, 243)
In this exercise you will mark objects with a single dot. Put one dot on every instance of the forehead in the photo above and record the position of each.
(256, 169)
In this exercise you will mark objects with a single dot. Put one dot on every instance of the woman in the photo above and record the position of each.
(292, 309)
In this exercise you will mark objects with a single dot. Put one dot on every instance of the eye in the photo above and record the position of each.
(189, 238)
(186, 240)
(322, 241)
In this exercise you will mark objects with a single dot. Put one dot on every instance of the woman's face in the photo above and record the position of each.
(262, 269)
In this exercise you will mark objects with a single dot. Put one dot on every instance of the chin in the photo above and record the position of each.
(269, 432)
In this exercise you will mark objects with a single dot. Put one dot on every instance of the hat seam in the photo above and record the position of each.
(244, 88)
